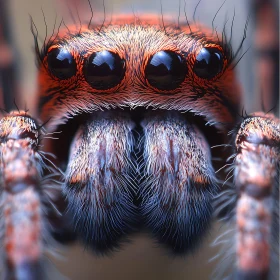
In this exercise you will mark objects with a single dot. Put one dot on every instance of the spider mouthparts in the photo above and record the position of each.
(125, 169)
(98, 181)
(178, 181)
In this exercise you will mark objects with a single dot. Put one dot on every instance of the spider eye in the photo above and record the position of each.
(61, 63)
(104, 70)
(166, 70)
(209, 63)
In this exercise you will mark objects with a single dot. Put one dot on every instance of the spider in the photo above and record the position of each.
(137, 105)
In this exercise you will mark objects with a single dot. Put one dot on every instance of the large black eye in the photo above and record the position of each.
(166, 70)
(209, 62)
(104, 70)
(61, 63)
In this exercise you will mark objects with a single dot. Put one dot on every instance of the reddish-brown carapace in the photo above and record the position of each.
(135, 42)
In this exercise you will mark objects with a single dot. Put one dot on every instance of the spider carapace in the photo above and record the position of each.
(138, 105)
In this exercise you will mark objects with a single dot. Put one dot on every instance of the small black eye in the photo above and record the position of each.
(61, 63)
(104, 70)
(166, 70)
(209, 63)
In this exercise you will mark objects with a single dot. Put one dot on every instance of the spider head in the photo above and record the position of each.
(188, 69)
(138, 106)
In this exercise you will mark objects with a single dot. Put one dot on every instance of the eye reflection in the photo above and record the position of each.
(61, 63)
(209, 63)
(104, 70)
(166, 70)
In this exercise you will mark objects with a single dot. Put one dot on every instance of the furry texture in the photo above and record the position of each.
(99, 183)
(178, 181)
(253, 241)
(25, 196)
(136, 42)
(256, 177)
(174, 187)
(175, 182)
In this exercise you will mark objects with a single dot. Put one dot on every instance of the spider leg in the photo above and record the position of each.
(99, 186)
(257, 183)
(22, 197)
(179, 181)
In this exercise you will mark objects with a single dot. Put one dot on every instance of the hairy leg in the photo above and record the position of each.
(257, 183)
(23, 198)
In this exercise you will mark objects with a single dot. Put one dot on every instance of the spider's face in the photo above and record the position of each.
(151, 161)
(138, 65)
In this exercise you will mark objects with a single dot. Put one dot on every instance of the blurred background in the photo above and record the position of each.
(258, 72)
